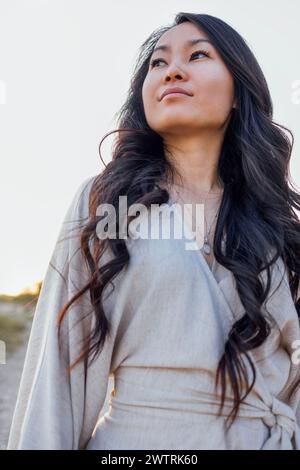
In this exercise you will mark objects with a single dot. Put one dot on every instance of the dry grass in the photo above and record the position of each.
(11, 330)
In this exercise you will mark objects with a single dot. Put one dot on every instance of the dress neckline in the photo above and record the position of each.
(215, 270)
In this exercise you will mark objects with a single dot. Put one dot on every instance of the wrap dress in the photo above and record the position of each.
(170, 315)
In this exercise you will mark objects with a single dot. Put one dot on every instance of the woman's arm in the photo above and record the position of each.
(54, 410)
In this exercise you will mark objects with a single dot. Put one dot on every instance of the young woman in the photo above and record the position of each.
(200, 342)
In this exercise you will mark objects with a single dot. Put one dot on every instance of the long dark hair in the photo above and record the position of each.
(257, 207)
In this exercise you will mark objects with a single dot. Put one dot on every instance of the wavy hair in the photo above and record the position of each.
(257, 208)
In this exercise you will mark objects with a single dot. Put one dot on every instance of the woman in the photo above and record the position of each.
(199, 341)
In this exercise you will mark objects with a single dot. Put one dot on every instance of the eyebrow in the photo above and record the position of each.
(190, 42)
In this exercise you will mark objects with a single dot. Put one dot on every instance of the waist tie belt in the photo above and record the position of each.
(278, 416)
(282, 422)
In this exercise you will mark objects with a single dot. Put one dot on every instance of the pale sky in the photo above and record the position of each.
(65, 67)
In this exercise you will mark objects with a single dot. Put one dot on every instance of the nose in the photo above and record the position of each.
(175, 72)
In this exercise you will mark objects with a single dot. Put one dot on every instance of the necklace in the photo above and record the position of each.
(206, 248)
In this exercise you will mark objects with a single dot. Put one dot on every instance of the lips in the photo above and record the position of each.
(175, 90)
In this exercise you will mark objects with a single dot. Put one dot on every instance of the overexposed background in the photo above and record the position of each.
(65, 67)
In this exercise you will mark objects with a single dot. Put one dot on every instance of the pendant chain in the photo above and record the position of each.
(206, 248)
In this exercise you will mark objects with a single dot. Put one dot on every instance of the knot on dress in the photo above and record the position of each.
(282, 415)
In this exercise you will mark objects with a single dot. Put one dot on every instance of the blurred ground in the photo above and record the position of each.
(15, 324)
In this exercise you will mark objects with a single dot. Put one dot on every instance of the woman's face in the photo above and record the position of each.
(206, 78)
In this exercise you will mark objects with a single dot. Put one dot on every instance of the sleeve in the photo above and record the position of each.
(54, 410)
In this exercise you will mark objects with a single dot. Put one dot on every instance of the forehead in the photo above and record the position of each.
(180, 33)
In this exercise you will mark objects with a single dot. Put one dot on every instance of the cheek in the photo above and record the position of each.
(145, 89)
(146, 103)
(149, 97)
(217, 89)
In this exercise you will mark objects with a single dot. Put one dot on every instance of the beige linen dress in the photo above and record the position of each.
(170, 315)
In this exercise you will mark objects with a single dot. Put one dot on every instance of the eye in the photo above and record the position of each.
(200, 52)
(155, 61)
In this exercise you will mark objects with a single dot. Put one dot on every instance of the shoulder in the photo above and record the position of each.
(80, 199)
(75, 218)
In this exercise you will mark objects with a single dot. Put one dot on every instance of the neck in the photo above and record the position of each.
(195, 161)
